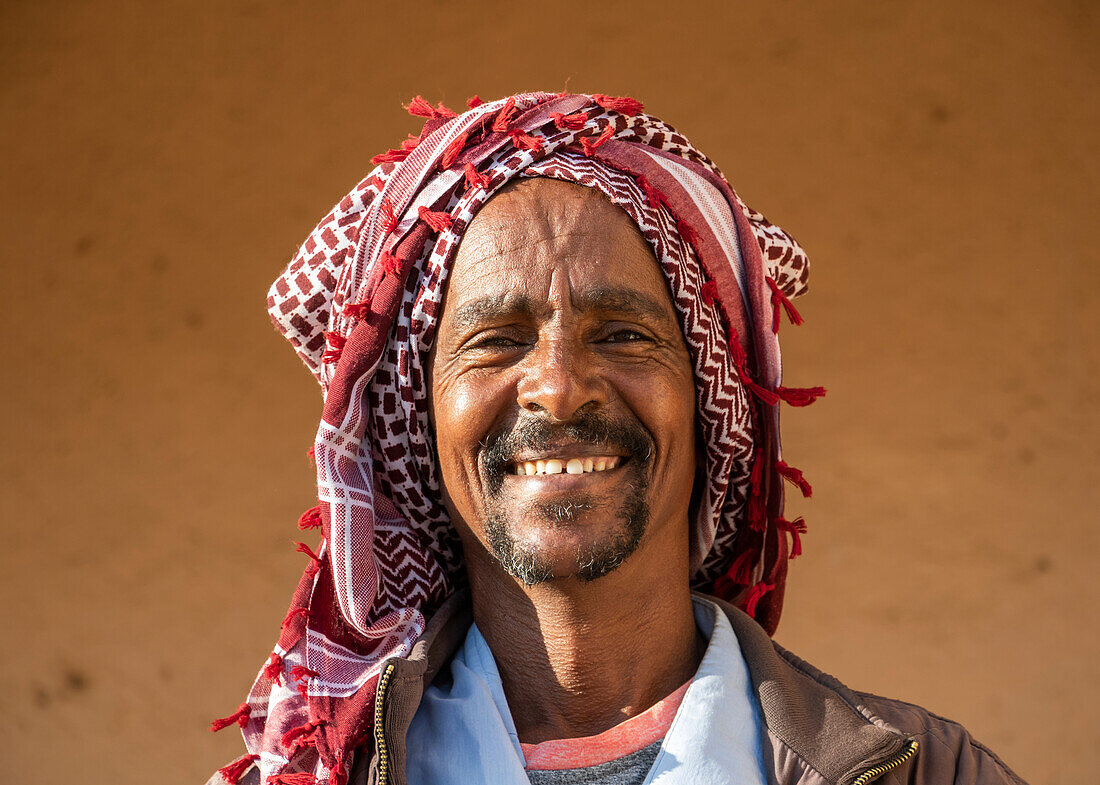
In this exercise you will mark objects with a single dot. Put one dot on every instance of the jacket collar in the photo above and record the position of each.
(805, 711)
(819, 719)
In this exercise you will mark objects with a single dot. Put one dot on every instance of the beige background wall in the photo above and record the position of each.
(162, 161)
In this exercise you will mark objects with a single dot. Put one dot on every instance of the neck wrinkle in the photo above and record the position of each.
(576, 659)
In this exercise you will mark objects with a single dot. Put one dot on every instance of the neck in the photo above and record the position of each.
(578, 658)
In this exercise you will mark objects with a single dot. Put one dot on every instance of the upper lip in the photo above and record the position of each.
(567, 450)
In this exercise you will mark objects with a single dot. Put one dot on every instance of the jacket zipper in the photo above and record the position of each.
(893, 763)
(379, 732)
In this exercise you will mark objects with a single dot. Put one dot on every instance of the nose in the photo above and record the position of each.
(561, 376)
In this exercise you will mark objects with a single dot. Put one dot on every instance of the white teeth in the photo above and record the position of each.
(571, 466)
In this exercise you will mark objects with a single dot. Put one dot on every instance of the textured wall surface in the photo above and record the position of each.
(162, 162)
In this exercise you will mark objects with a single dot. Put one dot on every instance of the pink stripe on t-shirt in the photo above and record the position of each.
(628, 736)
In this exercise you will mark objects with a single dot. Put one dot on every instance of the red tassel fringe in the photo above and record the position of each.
(765, 395)
(303, 548)
(754, 596)
(299, 672)
(687, 233)
(654, 197)
(741, 569)
(303, 612)
(390, 263)
(473, 101)
(335, 343)
(311, 518)
(620, 104)
(709, 293)
(302, 674)
(234, 771)
(274, 668)
(797, 527)
(474, 178)
(418, 107)
(799, 396)
(794, 476)
(240, 717)
(339, 774)
(296, 738)
(389, 218)
(301, 778)
(438, 221)
(356, 310)
(524, 141)
(756, 476)
(738, 351)
(503, 120)
(779, 298)
(390, 156)
(411, 143)
(569, 122)
(590, 146)
(454, 149)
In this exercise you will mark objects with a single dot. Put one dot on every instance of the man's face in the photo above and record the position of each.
(561, 389)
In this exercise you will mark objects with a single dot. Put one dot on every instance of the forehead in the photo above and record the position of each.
(539, 237)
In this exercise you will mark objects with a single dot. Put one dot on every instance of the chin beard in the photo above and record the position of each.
(532, 567)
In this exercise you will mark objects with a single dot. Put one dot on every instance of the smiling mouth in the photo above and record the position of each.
(585, 465)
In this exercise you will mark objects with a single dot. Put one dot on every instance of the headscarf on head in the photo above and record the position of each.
(360, 304)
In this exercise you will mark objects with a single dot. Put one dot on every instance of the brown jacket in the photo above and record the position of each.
(818, 731)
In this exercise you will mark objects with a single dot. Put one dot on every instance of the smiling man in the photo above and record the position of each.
(564, 413)
(550, 482)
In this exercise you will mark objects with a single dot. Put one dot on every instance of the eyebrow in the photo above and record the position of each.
(610, 299)
(490, 308)
(621, 300)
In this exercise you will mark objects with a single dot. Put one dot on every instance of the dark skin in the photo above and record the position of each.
(556, 308)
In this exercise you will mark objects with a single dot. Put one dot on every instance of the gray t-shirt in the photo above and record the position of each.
(630, 769)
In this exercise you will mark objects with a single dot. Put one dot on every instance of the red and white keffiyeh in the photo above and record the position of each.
(360, 302)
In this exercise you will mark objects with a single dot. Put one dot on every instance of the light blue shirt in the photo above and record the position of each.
(463, 730)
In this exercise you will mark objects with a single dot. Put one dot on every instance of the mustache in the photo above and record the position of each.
(533, 433)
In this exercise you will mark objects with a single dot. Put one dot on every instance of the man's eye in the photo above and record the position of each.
(626, 336)
(494, 342)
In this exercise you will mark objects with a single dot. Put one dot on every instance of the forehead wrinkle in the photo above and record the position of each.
(548, 223)
(547, 208)
(495, 239)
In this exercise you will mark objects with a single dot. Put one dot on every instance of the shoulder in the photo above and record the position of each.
(948, 753)
(848, 735)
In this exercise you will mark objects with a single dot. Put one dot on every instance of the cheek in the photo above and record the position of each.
(666, 406)
(675, 414)
(465, 412)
